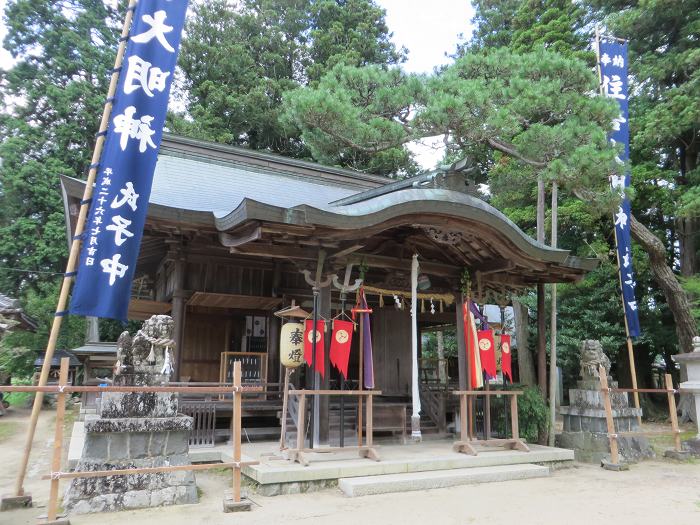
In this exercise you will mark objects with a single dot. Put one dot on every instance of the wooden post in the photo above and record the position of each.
(487, 410)
(285, 401)
(673, 412)
(301, 423)
(74, 253)
(361, 382)
(515, 427)
(463, 436)
(58, 440)
(178, 311)
(612, 436)
(237, 395)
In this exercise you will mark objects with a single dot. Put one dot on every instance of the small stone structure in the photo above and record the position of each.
(136, 430)
(691, 361)
(585, 424)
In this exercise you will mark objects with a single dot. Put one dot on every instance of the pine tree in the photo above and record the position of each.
(263, 49)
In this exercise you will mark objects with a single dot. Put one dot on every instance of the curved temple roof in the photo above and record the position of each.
(256, 202)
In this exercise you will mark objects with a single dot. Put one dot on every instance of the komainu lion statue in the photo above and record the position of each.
(592, 357)
(151, 347)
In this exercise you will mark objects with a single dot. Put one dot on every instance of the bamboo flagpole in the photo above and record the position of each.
(71, 265)
(630, 348)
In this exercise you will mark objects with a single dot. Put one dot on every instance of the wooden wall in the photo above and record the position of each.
(204, 340)
(391, 338)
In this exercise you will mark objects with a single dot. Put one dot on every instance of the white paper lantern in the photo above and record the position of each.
(292, 344)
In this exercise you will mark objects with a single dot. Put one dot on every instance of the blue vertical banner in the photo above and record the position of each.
(113, 231)
(614, 84)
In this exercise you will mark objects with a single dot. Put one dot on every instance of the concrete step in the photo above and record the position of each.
(368, 485)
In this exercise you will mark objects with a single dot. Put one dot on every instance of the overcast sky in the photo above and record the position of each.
(429, 29)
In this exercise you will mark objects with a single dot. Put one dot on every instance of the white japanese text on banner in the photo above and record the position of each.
(613, 73)
(125, 174)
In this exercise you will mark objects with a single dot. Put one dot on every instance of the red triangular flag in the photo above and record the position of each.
(340, 345)
(319, 364)
(506, 357)
(487, 351)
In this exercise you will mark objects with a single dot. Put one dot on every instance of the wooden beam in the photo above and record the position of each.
(346, 251)
(244, 237)
(276, 251)
(392, 263)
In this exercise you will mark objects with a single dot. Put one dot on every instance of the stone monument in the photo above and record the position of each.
(691, 361)
(136, 430)
(585, 424)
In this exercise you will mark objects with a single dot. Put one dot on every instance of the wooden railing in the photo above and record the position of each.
(63, 388)
(614, 434)
(433, 401)
(466, 441)
(253, 366)
(367, 450)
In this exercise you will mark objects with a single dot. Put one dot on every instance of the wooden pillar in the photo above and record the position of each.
(274, 368)
(461, 348)
(322, 407)
(541, 341)
(178, 305)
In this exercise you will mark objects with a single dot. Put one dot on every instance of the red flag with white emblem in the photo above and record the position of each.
(487, 352)
(340, 345)
(319, 364)
(506, 357)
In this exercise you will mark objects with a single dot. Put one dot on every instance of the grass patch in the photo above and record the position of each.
(18, 399)
(662, 443)
(7, 428)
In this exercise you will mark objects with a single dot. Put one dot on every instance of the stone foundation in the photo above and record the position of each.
(134, 430)
(586, 426)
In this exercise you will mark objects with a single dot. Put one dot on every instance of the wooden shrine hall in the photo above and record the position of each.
(229, 232)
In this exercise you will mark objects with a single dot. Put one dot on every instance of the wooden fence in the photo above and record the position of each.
(63, 388)
(367, 450)
(614, 434)
(466, 441)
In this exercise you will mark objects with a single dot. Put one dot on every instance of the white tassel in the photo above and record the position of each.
(167, 365)
(152, 356)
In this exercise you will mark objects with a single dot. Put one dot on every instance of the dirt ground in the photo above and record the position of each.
(650, 493)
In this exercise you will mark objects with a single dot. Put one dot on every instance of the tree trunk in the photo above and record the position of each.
(541, 341)
(526, 365)
(676, 297)
(441, 356)
(687, 231)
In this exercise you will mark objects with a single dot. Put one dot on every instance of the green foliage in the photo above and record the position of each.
(534, 109)
(557, 25)
(19, 349)
(263, 49)
(493, 21)
(429, 344)
(357, 117)
(533, 413)
(52, 100)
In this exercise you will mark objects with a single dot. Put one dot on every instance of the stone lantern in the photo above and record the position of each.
(691, 361)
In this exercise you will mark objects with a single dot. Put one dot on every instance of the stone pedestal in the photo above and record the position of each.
(586, 427)
(134, 430)
(691, 362)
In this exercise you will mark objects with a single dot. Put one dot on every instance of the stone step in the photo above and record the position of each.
(387, 483)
